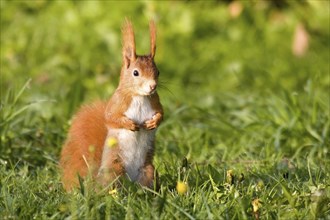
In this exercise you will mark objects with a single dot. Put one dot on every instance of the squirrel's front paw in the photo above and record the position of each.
(154, 122)
(130, 125)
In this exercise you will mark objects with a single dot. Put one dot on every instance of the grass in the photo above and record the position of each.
(246, 122)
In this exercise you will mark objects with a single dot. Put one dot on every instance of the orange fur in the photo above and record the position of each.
(85, 150)
(84, 145)
(129, 53)
(152, 38)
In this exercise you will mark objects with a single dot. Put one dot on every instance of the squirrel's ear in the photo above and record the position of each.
(129, 53)
(152, 27)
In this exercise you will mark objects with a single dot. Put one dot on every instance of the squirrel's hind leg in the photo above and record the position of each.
(148, 176)
(111, 165)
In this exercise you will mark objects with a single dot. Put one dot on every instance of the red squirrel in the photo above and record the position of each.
(114, 138)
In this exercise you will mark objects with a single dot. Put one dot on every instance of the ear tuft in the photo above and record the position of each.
(129, 53)
(152, 27)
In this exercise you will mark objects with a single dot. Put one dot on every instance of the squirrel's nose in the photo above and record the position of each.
(153, 86)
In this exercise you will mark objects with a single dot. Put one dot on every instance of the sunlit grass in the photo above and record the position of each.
(246, 129)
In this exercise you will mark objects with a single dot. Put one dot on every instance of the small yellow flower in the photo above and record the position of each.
(181, 187)
(111, 142)
(113, 193)
(256, 204)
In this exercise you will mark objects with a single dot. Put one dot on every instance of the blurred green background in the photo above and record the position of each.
(231, 82)
(246, 91)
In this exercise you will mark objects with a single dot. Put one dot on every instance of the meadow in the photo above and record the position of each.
(247, 114)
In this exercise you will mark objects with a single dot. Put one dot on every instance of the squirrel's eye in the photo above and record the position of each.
(136, 73)
(158, 73)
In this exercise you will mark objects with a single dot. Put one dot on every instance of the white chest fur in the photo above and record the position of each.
(140, 109)
(135, 145)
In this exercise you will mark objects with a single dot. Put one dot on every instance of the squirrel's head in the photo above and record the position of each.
(139, 74)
